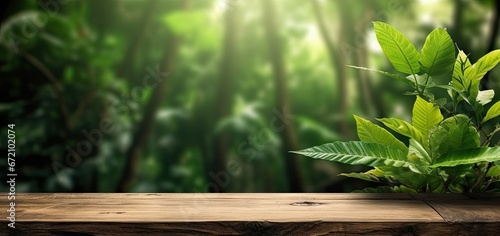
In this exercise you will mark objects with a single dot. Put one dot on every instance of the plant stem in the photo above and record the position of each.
(481, 178)
(447, 183)
(416, 86)
(444, 108)
(488, 184)
(425, 84)
(488, 137)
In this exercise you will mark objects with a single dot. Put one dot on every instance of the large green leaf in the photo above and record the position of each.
(483, 65)
(419, 150)
(425, 116)
(398, 49)
(386, 189)
(402, 127)
(399, 174)
(455, 171)
(468, 156)
(358, 153)
(394, 76)
(363, 176)
(454, 133)
(369, 132)
(438, 53)
(493, 112)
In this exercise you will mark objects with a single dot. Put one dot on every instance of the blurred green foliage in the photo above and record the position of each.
(71, 70)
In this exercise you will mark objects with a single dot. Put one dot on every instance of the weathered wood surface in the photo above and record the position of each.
(252, 214)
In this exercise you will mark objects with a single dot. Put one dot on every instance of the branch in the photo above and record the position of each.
(492, 40)
(42, 68)
(146, 124)
(481, 177)
(58, 87)
(137, 37)
(288, 135)
(83, 104)
(337, 62)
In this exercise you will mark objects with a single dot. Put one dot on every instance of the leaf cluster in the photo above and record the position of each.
(449, 148)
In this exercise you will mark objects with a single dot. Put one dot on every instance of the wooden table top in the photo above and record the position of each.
(251, 213)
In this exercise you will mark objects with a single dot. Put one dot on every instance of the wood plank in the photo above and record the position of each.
(221, 207)
(465, 208)
(297, 196)
(252, 214)
(253, 228)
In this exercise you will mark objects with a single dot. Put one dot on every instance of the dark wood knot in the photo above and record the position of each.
(306, 203)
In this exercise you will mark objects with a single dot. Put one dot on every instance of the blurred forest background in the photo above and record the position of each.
(205, 95)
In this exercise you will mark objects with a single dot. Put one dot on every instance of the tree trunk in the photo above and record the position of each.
(146, 124)
(458, 27)
(280, 78)
(137, 36)
(495, 24)
(225, 94)
(132, 155)
(371, 105)
(338, 64)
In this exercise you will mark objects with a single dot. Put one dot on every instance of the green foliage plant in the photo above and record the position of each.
(450, 144)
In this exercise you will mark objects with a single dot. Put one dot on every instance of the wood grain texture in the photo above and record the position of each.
(465, 208)
(253, 228)
(252, 214)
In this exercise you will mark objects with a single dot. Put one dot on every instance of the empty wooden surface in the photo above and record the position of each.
(253, 214)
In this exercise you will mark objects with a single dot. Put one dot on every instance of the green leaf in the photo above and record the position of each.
(455, 171)
(379, 189)
(423, 80)
(425, 116)
(483, 65)
(438, 53)
(394, 76)
(386, 189)
(468, 156)
(362, 176)
(476, 72)
(401, 175)
(462, 63)
(493, 171)
(369, 132)
(398, 49)
(459, 82)
(419, 150)
(357, 153)
(454, 91)
(441, 101)
(434, 183)
(454, 133)
(404, 189)
(402, 127)
(493, 112)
